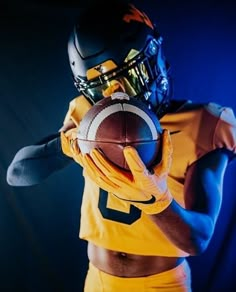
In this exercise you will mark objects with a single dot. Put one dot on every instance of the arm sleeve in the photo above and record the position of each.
(32, 164)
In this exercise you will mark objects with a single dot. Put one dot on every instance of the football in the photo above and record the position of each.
(118, 121)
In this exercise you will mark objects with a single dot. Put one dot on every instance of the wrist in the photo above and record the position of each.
(158, 206)
(66, 139)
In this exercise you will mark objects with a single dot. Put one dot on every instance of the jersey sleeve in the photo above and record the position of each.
(78, 107)
(225, 131)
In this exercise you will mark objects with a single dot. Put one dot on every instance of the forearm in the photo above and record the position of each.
(188, 230)
(32, 164)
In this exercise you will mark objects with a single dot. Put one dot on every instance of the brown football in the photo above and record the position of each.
(119, 121)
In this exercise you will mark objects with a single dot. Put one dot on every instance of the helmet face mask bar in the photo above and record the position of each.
(142, 75)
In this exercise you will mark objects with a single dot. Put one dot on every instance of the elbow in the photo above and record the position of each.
(198, 247)
(16, 176)
(12, 176)
(197, 243)
(200, 240)
(193, 246)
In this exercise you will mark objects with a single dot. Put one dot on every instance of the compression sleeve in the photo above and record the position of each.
(32, 164)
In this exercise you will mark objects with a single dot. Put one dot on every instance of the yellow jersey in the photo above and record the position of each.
(117, 225)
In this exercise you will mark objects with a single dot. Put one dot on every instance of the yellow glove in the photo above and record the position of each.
(79, 106)
(147, 191)
(70, 146)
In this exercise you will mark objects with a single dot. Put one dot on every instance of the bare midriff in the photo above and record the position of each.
(127, 265)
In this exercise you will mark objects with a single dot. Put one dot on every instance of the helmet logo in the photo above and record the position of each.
(138, 16)
(100, 68)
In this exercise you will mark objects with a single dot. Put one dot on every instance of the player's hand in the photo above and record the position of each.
(70, 146)
(142, 188)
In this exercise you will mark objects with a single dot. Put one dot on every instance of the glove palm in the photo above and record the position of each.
(148, 191)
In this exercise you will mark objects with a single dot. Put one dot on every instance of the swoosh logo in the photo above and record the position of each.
(175, 132)
(147, 202)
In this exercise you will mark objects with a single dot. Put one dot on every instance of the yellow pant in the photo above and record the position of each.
(174, 280)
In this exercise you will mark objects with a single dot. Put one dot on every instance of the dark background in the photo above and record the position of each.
(39, 245)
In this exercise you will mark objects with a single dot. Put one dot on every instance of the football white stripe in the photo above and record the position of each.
(91, 135)
(100, 117)
(134, 109)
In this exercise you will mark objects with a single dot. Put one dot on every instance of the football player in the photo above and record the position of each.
(140, 225)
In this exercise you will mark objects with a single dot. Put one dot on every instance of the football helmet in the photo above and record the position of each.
(121, 51)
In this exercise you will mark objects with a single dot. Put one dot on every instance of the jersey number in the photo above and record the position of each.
(115, 215)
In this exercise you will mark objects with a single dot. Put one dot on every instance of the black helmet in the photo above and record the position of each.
(119, 49)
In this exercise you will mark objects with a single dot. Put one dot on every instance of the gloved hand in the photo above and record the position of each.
(79, 106)
(70, 147)
(146, 190)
